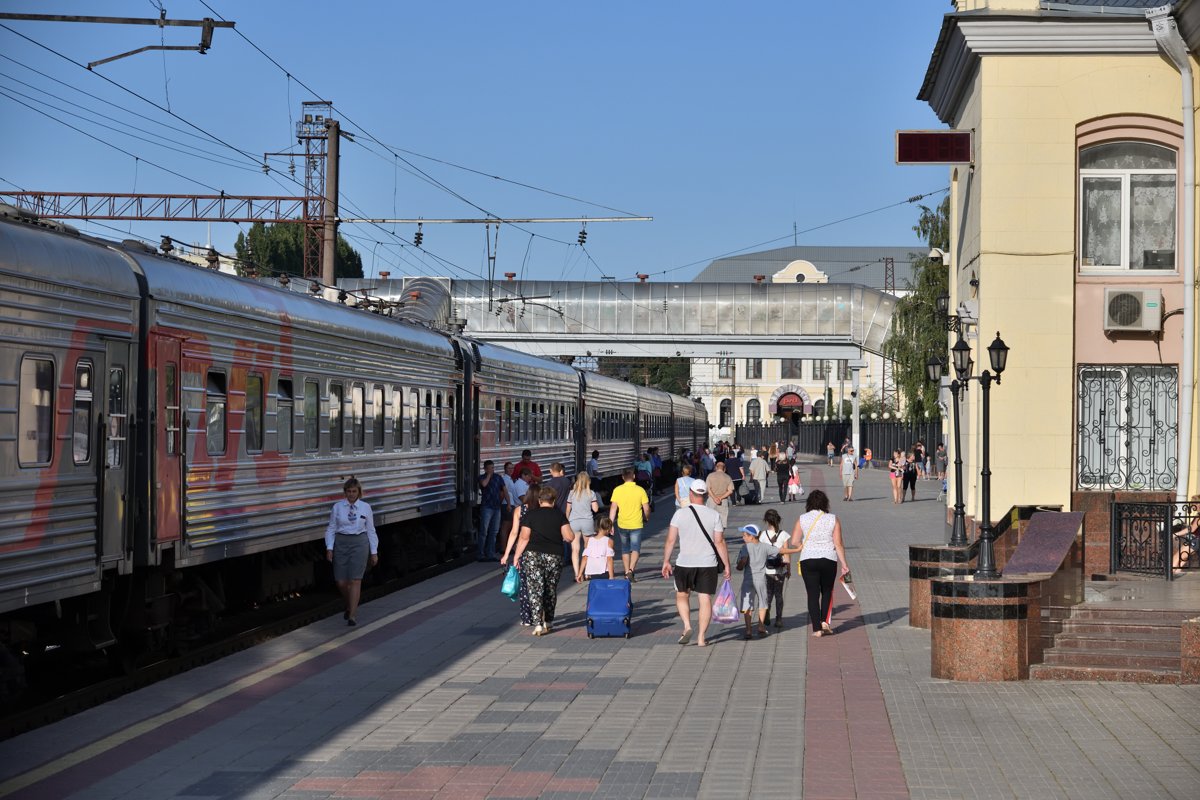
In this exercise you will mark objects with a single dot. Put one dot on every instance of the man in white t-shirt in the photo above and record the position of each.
(702, 556)
(849, 474)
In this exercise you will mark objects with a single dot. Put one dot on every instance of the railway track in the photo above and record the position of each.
(279, 619)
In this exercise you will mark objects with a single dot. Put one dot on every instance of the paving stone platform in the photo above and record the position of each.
(439, 693)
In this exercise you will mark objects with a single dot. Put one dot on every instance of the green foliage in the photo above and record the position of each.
(917, 331)
(668, 374)
(273, 249)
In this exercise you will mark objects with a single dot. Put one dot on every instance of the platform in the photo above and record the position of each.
(439, 693)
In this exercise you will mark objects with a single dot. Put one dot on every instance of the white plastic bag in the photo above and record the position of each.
(725, 606)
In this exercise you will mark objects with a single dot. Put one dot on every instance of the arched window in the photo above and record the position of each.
(753, 412)
(818, 408)
(726, 413)
(1128, 206)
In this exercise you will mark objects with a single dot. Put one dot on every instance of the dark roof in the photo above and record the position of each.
(1101, 6)
(843, 264)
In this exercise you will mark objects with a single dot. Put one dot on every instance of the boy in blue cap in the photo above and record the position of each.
(752, 561)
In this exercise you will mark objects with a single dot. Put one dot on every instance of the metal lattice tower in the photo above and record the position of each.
(313, 132)
(888, 394)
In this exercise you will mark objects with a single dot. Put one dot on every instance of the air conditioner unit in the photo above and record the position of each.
(1134, 310)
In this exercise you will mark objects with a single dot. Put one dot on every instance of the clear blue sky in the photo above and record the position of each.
(727, 123)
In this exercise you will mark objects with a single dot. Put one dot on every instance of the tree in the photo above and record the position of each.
(667, 374)
(917, 330)
(272, 249)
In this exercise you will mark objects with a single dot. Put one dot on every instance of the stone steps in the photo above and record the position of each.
(1098, 643)
(1045, 672)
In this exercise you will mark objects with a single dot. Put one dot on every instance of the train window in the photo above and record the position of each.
(336, 409)
(428, 418)
(499, 421)
(517, 422)
(397, 417)
(437, 437)
(215, 402)
(539, 430)
(284, 411)
(81, 418)
(170, 402)
(312, 417)
(253, 420)
(358, 401)
(414, 417)
(36, 416)
(377, 409)
(450, 417)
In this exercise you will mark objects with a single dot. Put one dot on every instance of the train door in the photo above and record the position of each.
(475, 438)
(168, 441)
(114, 513)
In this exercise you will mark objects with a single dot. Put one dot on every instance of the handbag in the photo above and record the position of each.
(512, 581)
(720, 561)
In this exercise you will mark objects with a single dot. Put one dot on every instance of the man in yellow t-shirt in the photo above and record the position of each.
(629, 509)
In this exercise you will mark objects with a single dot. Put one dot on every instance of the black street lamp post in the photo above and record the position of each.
(958, 531)
(985, 565)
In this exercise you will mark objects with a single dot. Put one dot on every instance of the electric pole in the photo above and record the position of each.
(329, 251)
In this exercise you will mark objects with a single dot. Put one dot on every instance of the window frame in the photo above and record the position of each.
(41, 413)
(337, 427)
(285, 409)
(358, 416)
(312, 421)
(85, 395)
(1125, 177)
(220, 402)
(260, 415)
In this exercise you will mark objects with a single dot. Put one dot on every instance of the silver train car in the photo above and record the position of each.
(171, 438)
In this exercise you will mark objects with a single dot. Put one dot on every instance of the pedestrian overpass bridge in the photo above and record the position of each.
(661, 319)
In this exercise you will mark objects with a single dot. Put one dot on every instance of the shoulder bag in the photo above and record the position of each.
(717, 553)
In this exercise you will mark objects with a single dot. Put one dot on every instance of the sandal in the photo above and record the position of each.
(747, 637)
(686, 637)
(763, 633)
(539, 631)
(828, 631)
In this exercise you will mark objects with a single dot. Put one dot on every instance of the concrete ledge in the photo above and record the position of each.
(985, 630)
(1189, 651)
(927, 561)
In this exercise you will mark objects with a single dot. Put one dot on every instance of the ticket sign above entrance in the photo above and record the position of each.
(934, 147)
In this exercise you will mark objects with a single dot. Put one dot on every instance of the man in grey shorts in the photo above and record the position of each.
(702, 557)
(849, 474)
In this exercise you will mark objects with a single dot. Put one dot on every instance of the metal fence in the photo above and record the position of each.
(1156, 538)
(811, 438)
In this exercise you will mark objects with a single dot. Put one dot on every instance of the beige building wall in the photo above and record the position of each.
(1014, 225)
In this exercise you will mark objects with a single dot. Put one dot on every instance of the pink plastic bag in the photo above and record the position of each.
(725, 606)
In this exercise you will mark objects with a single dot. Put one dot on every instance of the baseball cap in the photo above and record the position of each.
(698, 486)
(750, 529)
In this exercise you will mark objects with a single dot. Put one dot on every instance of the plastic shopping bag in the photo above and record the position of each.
(512, 580)
(725, 607)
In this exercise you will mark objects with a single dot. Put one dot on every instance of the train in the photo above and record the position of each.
(172, 437)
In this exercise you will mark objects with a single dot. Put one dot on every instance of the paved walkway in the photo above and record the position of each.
(439, 693)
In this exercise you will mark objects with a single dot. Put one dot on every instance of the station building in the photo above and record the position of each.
(1073, 235)
(738, 391)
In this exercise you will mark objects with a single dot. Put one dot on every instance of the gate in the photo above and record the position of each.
(1156, 538)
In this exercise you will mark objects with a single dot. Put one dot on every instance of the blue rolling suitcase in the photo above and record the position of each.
(609, 607)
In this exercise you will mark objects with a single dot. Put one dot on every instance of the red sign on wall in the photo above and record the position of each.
(934, 147)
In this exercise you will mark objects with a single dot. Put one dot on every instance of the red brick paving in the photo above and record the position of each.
(849, 748)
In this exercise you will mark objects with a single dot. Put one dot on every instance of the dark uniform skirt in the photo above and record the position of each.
(350, 552)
